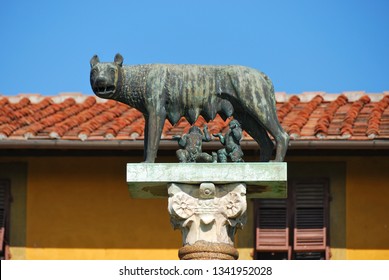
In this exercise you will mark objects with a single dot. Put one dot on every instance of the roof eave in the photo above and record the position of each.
(339, 144)
(169, 144)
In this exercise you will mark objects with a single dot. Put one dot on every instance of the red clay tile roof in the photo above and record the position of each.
(355, 116)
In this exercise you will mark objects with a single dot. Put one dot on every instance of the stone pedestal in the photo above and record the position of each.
(207, 202)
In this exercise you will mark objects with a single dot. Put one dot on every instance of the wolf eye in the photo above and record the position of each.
(112, 70)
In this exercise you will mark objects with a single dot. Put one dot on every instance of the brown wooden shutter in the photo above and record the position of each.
(4, 209)
(310, 216)
(272, 230)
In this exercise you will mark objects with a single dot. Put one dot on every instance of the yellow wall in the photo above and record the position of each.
(367, 207)
(80, 208)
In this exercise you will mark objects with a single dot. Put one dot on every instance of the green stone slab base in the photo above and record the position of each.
(263, 180)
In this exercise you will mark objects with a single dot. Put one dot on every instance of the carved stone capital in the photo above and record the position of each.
(207, 212)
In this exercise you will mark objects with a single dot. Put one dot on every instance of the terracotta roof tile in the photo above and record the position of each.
(303, 116)
(321, 127)
(286, 107)
(384, 123)
(76, 117)
(348, 125)
(376, 117)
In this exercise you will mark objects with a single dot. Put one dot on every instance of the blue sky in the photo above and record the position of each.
(329, 45)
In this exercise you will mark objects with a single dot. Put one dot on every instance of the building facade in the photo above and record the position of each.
(64, 193)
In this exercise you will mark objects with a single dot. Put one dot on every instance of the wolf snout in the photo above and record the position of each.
(101, 85)
(100, 82)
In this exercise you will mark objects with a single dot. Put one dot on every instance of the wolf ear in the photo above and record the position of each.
(94, 60)
(118, 59)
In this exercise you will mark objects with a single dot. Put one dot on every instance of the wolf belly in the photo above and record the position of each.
(195, 91)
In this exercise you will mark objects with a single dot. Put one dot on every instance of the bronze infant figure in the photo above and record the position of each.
(191, 146)
(231, 141)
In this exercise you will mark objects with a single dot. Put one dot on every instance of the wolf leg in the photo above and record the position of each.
(259, 134)
(154, 126)
(282, 140)
(272, 125)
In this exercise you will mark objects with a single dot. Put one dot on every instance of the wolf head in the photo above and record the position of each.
(104, 76)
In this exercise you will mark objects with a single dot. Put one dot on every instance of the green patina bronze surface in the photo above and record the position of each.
(164, 91)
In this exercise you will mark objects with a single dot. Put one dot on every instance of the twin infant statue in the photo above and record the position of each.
(191, 145)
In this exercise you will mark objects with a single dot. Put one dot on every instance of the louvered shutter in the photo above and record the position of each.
(272, 230)
(4, 207)
(310, 216)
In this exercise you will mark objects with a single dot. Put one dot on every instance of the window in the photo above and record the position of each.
(4, 219)
(296, 227)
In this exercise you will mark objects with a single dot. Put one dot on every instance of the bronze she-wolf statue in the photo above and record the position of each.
(164, 91)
